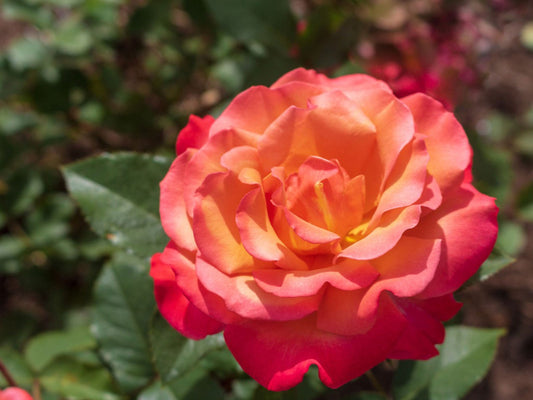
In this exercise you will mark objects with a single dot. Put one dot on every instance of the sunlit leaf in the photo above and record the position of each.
(119, 195)
(44, 348)
(74, 380)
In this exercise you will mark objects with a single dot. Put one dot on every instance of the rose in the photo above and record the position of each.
(320, 221)
(14, 393)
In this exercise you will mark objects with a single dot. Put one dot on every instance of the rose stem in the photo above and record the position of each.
(7, 375)
(36, 390)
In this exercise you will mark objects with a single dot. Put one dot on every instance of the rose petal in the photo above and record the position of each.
(324, 131)
(175, 307)
(215, 230)
(443, 307)
(384, 237)
(174, 218)
(302, 75)
(287, 349)
(309, 232)
(407, 180)
(240, 158)
(351, 82)
(447, 144)
(405, 271)
(243, 296)
(424, 327)
(466, 223)
(395, 128)
(346, 275)
(195, 133)
(182, 263)
(206, 161)
(254, 109)
(258, 236)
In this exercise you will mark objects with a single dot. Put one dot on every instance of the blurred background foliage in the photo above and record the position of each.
(82, 77)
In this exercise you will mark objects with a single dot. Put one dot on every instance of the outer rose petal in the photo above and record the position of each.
(447, 144)
(206, 161)
(182, 263)
(424, 328)
(195, 133)
(172, 207)
(277, 354)
(351, 82)
(466, 223)
(254, 109)
(175, 307)
(13, 393)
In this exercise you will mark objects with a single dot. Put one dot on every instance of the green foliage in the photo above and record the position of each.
(46, 347)
(123, 306)
(175, 355)
(120, 199)
(464, 359)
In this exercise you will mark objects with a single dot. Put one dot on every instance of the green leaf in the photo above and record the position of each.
(24, 186)
(26, 53)
(72, 38)
(13, 121)
(44, 348)
(17, 367)
(195, 384)
(174, 355)
(492, 169)
(205, 388)
(511, 238)
(119, 195)
(496, 262)
(122, 310)
(156, 392)
(75, 380)
(266, 22)
(188, 386)
(464, 359)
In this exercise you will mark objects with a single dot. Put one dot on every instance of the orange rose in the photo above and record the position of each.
(320, 221)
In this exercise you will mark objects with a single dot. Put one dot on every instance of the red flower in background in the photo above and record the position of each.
(13, 393)
(439, 58)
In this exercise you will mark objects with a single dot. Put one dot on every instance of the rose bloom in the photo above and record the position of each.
(14, 393)
(320, 221)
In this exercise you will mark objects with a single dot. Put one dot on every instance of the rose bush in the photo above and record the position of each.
(320, 221)
(13, 393)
